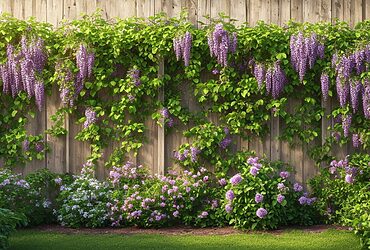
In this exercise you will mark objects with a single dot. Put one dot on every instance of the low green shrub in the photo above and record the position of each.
(343, 192)
(9, 221)
(261, 196)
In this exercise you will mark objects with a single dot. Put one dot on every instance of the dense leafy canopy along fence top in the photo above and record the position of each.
(68, 154)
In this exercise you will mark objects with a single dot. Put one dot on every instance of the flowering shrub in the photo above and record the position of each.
(83, 202)
(157, 201)
(343, 193)
(261, 197)
(30, 196)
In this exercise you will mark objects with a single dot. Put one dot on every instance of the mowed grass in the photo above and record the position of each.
(331, 239)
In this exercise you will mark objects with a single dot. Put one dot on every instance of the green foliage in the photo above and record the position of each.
(32, 196)
(243, 208)
(343, 202)
(9, 221)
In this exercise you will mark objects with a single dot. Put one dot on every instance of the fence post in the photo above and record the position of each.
(161, 135)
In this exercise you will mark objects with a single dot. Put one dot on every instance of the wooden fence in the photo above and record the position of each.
(68, 155)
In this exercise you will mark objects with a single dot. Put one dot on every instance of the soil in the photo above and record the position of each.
(181, 230)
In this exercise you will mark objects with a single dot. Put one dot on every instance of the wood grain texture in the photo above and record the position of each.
(67, 154)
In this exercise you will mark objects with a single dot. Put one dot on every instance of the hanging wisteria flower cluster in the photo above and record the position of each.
(304, 52)
(90, 116)
(65, 79)
(274, 78)
(134, 74)
(182, 47)
(20, 71)
(220, 43)
(85, 63)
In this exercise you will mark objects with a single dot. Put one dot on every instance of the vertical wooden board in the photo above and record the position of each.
(146, 155)
(259, 10)
(347, 11)
(192, 9)
(70, 9)
(102, 5)
(36, 126)
(204, 11)
(325, 10)
(128, 9)
(296, 154)
(145, 8)
(284, 10)
(356, 12)
(6, 6)
(275, 142)
(19, 9)
(28, 9)
(55, 12)
(311, 10)
(238, 10)
(91, 6)
(78, 151)
(337, 10)
(39, 10)
(275, 11)
(218, 7)
(296, 12)
(366, 12)
(172, 7)
(56, 158)
(81, 7)
(160, 153)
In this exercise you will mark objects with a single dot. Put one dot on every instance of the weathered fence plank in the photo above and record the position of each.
(67, 154)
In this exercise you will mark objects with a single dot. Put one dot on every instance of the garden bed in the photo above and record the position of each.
(183, 230)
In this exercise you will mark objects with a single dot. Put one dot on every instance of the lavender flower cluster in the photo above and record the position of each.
(338, 167)
(66, 83)
(85, 63)
(169, 121)
(274, 77)
(349, 90)
(134, 74)
(226, 141)
(20, 71)
(255, 165)
(304, 52)
(182, 47)
(192, 154)
(90, 116)
(220, 43)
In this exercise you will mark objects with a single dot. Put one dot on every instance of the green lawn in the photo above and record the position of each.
(331, 239)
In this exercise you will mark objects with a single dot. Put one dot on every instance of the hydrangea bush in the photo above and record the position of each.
(343, 193)
(32, 196)
(157, 201)
(261, 196)
(83, 203)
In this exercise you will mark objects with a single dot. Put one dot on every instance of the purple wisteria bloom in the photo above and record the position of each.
(90, 116)
(220, 44)
(346, 124)
(324, 79)
(356, 142)
(261, 213)
(182, 47)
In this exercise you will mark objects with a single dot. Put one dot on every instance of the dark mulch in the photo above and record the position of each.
(179, 230)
